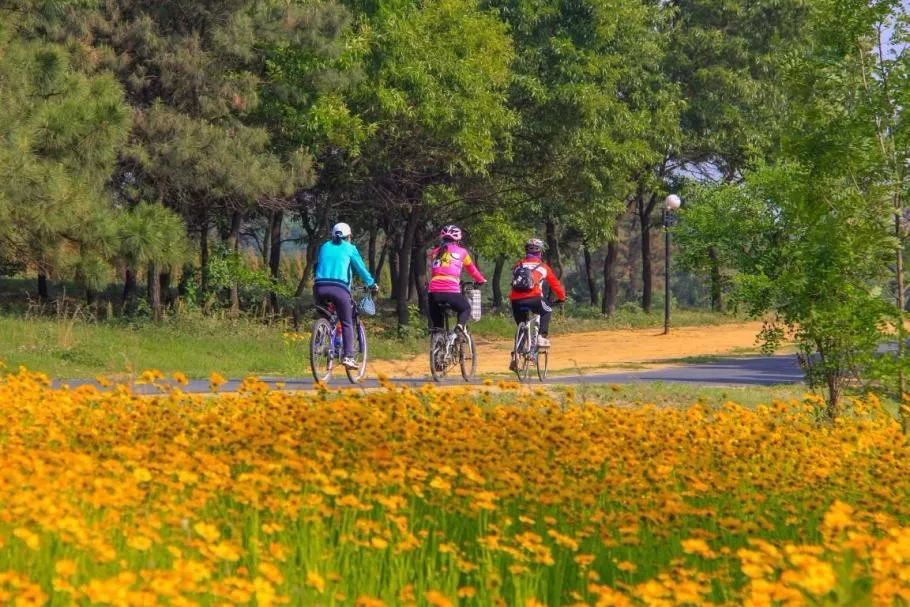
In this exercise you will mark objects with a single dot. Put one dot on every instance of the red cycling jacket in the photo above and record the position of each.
(544, 273)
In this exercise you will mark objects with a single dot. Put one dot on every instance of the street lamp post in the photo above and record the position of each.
(671, 203)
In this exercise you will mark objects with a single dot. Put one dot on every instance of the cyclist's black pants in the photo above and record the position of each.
(521, 309)
(344, 307)
(456, 301)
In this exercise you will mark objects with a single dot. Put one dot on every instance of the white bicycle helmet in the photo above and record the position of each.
(535, 245)
(451, 232)
(341, 230)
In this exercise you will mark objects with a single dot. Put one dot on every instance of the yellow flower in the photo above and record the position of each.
(437, 599)
(65, 568)
(216, 380)
(314, 580)
(29, 538)
(139, 542)
(208, 531)
(378, 543)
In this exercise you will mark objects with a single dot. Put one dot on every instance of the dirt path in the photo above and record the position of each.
(619, 349)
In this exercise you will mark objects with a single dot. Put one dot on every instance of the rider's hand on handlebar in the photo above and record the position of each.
(374, 289)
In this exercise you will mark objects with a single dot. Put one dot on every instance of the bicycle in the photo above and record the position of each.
(526, 351)
(448, 347)
(327, 347)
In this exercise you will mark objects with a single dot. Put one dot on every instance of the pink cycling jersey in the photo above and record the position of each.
(445, 268)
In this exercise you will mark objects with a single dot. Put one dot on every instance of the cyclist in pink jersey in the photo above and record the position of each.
(446, 262)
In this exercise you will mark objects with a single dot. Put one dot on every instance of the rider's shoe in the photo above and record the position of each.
(513, 363)
(542, 342)
(350, 362)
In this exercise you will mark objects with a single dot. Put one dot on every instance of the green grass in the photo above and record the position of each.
(70, 347)
(66, 348)
(676, 394)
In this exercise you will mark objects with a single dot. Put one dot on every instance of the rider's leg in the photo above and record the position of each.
(545, 312)
(462, 307)
(344, 307)
(437, 314)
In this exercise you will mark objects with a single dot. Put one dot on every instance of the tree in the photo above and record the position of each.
(434, 90)
(729, 59)
(595, 107)
(61, 131)
(811, 250)
(191, 70)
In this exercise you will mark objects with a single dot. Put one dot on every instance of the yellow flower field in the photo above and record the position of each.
(425, 497)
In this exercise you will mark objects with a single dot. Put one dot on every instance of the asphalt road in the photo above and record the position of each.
(755, 371)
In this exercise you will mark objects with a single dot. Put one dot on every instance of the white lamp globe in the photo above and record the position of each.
(673, 202)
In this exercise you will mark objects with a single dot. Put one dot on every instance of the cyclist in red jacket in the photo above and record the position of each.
(528, 276)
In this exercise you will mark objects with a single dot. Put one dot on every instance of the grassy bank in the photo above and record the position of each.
(67, 347)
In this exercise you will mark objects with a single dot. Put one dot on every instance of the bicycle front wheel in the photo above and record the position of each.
(360, 355)
(543, 363)
(467, 356)
(438, 366)
(321, 355)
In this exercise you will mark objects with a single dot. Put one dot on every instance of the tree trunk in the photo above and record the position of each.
(901, 308)
(393, 269)
(234, 247)
(717, 293)
(644, 217)
(419, 265)
(381, 262)
(404, 267)
(309, 264)
(204, 257)
(44, 293)
(832, 405)
(165, 281)
(553, 256)
(129, 291)
(275, 254)
(497, 281)
(266, 242)
(589, 275)
(154, 289)
(611, 284)
(371, 250)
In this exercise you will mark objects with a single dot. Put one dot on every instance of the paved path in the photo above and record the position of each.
(758, 371)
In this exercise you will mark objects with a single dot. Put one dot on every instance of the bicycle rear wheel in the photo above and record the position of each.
(360, 355)
(521, 351)
(543, 363)
(321, 355)
(438, 366)
(467, 357)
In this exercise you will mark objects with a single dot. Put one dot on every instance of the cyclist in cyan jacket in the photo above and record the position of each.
(446, 263)
(335, 266)
(528, 276)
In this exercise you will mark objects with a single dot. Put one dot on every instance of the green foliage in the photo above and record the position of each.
(810, 251)
(226, 268)
(437, 71)
(60, 131)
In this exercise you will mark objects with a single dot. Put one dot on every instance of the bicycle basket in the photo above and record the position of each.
(367, 306)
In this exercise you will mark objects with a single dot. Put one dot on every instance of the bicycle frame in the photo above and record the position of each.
(333, 349)
(452, 353)
(526, 351)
